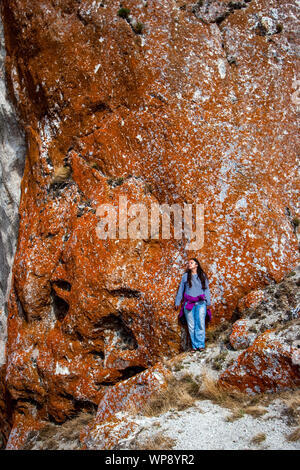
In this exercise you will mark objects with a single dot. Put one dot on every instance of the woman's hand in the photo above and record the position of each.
(208, 312)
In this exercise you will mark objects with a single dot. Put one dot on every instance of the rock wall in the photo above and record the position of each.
(171, 102)
(12, 158)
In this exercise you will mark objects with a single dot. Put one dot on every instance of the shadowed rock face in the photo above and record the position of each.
(5, 410)
(193, 107)
(12, 158)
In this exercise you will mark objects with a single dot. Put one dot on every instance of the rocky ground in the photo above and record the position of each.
(206, 425)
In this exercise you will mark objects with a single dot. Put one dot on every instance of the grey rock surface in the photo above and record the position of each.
(12, 156)
(280, 305)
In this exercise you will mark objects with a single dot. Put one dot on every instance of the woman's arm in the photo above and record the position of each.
(208, 300)
(180, 292)
(207, 292)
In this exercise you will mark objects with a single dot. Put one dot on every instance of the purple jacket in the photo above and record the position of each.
(190, 304)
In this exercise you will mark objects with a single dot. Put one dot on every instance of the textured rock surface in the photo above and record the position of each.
(274, 306)
(270, 335)
(241, 337)
(270, 364)
(12, 158)
(192, 110)
(250, 300)
(112, 423)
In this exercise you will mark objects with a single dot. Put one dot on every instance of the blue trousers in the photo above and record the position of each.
(195, 319)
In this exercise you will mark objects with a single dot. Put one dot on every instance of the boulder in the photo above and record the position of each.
(270, 364)
(241, 337)
(113, 422)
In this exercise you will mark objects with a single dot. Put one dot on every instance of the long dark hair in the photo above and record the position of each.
(201, 274)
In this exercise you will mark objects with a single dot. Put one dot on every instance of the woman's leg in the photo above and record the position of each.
(199, 322)
(189, 315)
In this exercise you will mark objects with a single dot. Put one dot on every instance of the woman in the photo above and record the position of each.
(194, 290)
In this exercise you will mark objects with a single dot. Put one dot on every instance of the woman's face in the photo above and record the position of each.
(192, 264)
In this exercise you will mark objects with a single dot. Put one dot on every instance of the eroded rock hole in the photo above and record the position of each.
(106, 384)
(60, 306)
(78, 406)
(97, 354)
(21, 310)
(125, 292)
(22, 405)
(61, 284)
(83, 405)
(123, 337)
(131, 371)
(99, 107)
